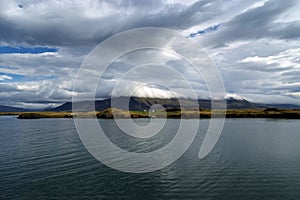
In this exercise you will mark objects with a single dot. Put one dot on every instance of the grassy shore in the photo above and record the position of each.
(9, 113)
(170, 113)
(38, 115)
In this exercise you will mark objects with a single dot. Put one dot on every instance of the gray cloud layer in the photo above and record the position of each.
(256, 46)
(260, 22)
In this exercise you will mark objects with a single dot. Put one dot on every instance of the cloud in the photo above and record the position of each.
(140, 90)
(5, 77)
(45, 64)
(257, 23)
(40, 92)
(234, 96)
(295, 94)
(81, 23)
(290, 57)
(255, 45)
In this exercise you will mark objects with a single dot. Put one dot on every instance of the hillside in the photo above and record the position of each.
(141, 104)
(11, 109)
(135, 103)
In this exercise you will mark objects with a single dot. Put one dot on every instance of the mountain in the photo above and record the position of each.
(135, 103)
(11, 109)
(140, 104)
(284, 106)
(242, 104)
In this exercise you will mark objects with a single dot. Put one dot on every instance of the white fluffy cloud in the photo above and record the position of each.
(5, 77)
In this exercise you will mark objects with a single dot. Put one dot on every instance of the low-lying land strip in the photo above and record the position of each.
(169, 113)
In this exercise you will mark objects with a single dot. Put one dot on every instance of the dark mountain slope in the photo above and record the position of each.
(11, 109)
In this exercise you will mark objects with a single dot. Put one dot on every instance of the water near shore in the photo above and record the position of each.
(254, 159)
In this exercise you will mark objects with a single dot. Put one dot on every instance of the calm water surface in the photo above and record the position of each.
(254, 159)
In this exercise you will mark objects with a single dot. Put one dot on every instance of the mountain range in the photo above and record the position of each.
(11, 109)
(141, 104)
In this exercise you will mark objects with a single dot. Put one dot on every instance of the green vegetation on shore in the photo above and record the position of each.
(9, 113)
(38, 115)
(111, 113)
(266, 113)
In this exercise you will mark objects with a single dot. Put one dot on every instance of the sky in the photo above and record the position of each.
(254, 44)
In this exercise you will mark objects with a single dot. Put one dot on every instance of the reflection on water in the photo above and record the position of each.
(254, 159)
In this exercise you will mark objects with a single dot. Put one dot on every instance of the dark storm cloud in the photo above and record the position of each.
(72, 24)
(256, 23)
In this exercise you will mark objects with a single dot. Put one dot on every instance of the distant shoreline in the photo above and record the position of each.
(171, 113)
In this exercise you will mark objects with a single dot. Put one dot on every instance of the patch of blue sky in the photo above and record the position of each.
(6, 77)
(30, 50)
(205, 31)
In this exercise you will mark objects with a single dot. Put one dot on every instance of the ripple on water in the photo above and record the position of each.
(254, 159)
